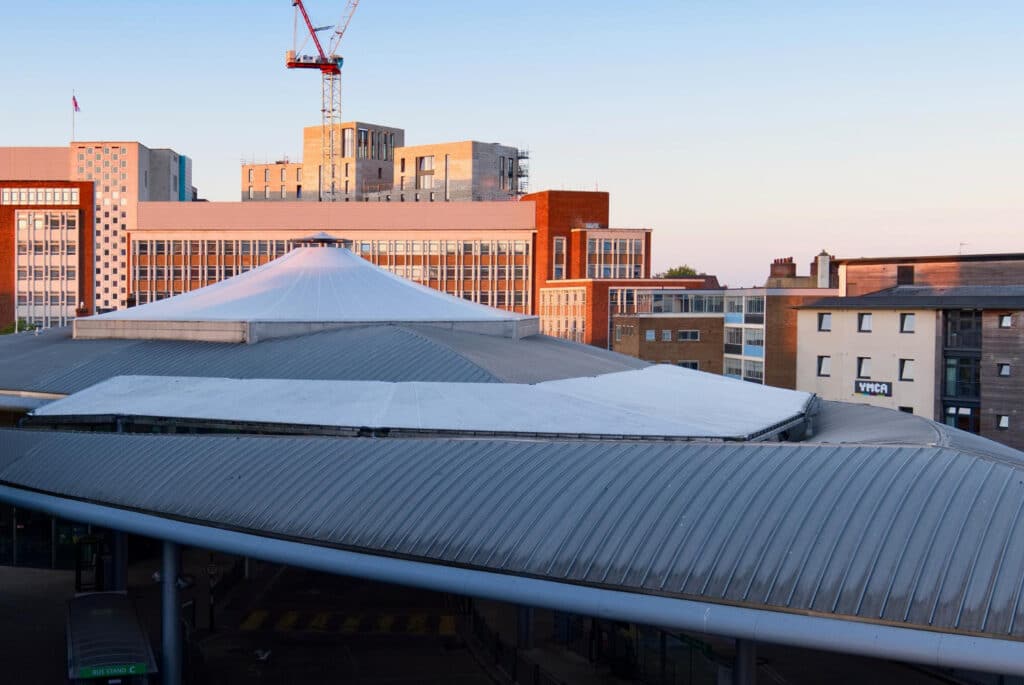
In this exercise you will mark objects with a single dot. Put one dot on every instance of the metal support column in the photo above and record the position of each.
(524, 627)
(171, 627)
(744, 670)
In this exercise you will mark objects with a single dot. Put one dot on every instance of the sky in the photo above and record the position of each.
(739, 131)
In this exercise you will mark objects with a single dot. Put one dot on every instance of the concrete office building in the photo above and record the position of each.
(375, 166)
(551, 253)
(941, 337)
(122, 174)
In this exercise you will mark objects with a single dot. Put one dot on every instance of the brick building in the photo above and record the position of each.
(747, 333)
(941, 337)
(46, 251)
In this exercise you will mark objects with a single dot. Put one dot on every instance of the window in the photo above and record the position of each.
(689, 365)
(824, 366)
(687, 336)
(825, 322)
(250, 175)
(666, 336)
(732, 367)
(733, 335)
(906, 369)
(963, 329)
(266, 175)
(864, 323)
(753, 336)
(649, 335)
(906, 323)
(905, 275)
(1005, 320)
(1003, 369)
(963, 377)
(1002, 421)
(863, 367)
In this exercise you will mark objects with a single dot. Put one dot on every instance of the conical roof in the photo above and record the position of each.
(307, 289)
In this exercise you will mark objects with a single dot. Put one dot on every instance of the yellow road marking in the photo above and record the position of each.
(384, 623)
(417, 624)
(287, 622)
(319, 621)
(254, 620)
(351, 624)
(446, 626)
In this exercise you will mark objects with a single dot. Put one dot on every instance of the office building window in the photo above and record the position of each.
(558, 259)
(666, 336)
(825, 322)
(649, 335)
(824, 365)
(753, 336)
(687, 336)
(906, 369)
(1005, 320)
(863, 367)
(1003, 369)
(864, 323)
(1002, 421)
(732, 367)
(689, 365)
(906, 323)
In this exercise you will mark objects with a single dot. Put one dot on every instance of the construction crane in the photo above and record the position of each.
(329, 63)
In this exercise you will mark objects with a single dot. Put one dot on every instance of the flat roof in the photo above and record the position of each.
(930, 297)
(659, 402)
(921, 259)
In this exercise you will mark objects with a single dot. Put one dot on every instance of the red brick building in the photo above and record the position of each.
(46, 250)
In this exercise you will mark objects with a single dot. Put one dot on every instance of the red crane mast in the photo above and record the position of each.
(329, 63)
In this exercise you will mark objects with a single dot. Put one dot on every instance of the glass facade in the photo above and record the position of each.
(496, 273)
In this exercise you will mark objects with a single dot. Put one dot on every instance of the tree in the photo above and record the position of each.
(682, 271)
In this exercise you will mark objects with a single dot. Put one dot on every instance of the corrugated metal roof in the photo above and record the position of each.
(916, 536)
(53, 362)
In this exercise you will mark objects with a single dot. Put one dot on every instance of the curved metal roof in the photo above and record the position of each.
(921, 537)
(53, 362)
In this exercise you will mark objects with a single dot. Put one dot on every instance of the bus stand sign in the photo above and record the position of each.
(111, 671)
(873, 388)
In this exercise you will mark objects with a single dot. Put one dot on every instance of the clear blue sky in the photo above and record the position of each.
(739, 131)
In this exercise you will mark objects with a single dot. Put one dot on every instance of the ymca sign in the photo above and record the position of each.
(873, 388)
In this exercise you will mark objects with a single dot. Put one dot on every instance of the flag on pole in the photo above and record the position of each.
(74, 103)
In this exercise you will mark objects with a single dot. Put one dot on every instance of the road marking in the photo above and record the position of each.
(287, 622)
(446, 626)
(254, 620)
(417, 624)
(351, 624)
(319, 621)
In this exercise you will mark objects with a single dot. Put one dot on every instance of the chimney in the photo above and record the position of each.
(783, 267)
(822, 268)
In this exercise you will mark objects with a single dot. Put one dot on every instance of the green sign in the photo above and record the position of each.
(111, 671)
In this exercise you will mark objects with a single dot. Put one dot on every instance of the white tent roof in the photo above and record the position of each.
(657, 401)
(314, 284)
(307, 289)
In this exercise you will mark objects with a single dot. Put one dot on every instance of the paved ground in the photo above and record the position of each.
(319, 628)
